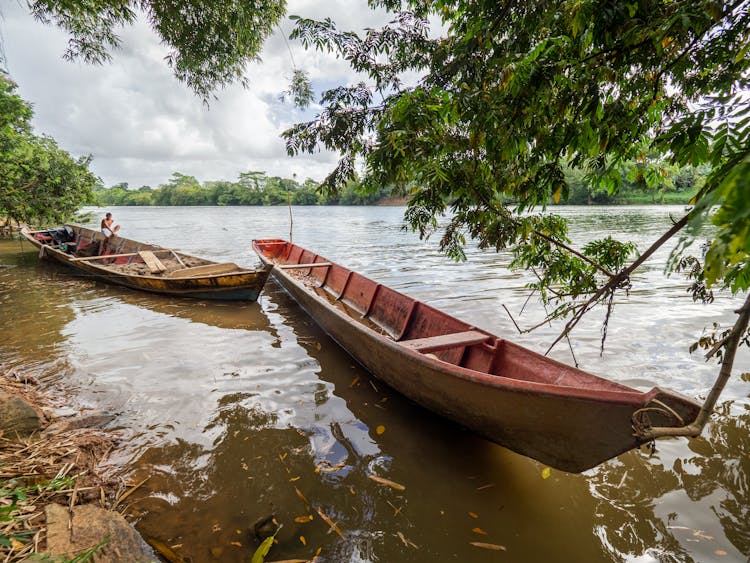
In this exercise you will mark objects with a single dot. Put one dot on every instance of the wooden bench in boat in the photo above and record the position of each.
(310, 265)
(153, 263)
(445, 341)
(205, 270)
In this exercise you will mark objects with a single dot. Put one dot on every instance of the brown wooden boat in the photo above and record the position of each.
(562, 416)
(146, 266)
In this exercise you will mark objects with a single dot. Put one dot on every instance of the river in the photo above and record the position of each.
(236, 411)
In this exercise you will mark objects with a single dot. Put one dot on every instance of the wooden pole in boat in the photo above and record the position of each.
(291, 220)
(732, 342)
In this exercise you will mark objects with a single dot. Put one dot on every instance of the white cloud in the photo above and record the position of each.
(141, 125)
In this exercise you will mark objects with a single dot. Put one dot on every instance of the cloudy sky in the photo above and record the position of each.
(141, 124)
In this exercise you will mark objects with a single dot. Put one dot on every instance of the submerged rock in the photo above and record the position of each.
(72, 532)
(97, 420)
(265, 527)
(17, 417)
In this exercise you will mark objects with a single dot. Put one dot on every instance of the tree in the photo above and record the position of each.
(210, 43)
(514, 92)
(39, 181)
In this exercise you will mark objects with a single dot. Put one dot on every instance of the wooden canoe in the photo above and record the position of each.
(146, 266)
(559, 415)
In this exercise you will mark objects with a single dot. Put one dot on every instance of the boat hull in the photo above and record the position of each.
(566, 427)
(243, 285)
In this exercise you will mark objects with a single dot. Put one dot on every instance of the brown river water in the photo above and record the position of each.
(236, 411)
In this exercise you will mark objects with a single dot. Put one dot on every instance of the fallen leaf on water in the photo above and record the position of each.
(236, 543)
(303, 540)
(303, 519)
(491, 546)
(473, 514)
(282, 457)
(331, 523)
(293, 479)
(479, 531)
(546, 472)
(302, 497)
(265, 546)
(407, 541)
(380, 429)
(352, 491)
(387, 482)
(165, 551)
(720, 552)
(354, 381)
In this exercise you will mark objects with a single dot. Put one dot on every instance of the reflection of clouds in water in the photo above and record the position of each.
(667, 506)
(212, 388)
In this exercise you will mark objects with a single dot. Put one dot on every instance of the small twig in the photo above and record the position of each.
(130, 491)
(518, 328)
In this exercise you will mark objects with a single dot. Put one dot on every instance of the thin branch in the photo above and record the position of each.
(575, 253)
(621, 276)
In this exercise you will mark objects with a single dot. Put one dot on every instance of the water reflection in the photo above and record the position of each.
(238, 315)
(666, 507)
(232, 409)
(33, 312)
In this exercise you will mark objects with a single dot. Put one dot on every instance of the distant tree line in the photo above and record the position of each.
(645, 182)
(251, 188)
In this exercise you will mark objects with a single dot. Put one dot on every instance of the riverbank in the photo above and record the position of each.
(55, 499)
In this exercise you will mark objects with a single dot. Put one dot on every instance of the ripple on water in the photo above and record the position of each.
(235, 409)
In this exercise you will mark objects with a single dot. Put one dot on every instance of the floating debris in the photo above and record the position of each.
(387, 482)
(406, 541)
(331, 523)
(490, 546)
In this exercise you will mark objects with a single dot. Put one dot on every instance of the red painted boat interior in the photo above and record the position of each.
(402, 318)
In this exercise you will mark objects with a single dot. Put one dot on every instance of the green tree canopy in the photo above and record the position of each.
(39, 181)
(516, 92)
(210, 43)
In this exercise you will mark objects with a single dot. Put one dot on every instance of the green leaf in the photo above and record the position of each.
(260, 554)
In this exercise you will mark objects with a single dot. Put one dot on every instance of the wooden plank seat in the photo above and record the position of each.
(445, 341)
(154, 264)
(300, 266)
(206, 270)
(100, 257)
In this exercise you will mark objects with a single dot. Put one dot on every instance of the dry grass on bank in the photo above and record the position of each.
(58, 467)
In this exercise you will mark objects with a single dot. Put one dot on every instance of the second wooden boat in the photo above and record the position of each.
(562, 416)
(145, 266)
